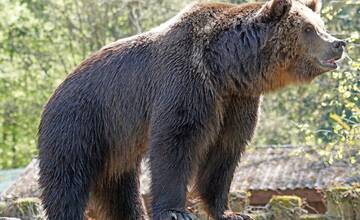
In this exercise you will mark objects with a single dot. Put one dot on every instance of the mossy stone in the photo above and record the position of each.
(313, 217)
(3, 207)
(25, 208)
(238, 200)
(341, 202)
(285, 207)
(261, 216)
(355, 200)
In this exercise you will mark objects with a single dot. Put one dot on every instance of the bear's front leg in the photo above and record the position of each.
(179, 130)
(213, 182)
(170, 165)
(217, 169)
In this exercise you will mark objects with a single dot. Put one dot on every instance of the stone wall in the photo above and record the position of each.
(343, 203)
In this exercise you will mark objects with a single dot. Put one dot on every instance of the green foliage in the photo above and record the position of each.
(43, 40)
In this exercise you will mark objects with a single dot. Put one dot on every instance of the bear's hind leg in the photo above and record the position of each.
(65, 187)
(118, 197)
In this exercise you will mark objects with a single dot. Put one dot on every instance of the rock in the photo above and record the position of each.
(5, 218)
(2, 208)
(197, 207)
(238, 200)
(26, 185)
(286, 207)
(25, 209)
(356, 202)
(261, 216)
(342, 203)
(313, 217)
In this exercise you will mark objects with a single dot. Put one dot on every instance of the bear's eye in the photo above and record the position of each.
(308, 29)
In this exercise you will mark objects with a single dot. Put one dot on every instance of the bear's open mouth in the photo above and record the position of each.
(330, 63)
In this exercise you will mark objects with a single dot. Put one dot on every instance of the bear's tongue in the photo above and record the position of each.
(331, 61)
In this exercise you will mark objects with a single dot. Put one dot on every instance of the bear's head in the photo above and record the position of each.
(278, 43)
(303, 48)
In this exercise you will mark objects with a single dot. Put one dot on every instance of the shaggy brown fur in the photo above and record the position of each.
(187, 94)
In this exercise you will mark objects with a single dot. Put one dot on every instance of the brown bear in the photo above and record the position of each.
(187, 95)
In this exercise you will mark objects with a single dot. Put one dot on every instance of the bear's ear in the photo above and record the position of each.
(314, 5)
(275, 9)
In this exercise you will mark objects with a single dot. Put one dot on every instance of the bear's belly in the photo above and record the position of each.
(125, 155)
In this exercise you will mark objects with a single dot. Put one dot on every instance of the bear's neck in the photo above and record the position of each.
(241, 59)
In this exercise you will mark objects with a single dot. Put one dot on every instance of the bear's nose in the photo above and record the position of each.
(339, 44)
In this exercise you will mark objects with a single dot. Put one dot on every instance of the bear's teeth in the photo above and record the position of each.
(331, 61)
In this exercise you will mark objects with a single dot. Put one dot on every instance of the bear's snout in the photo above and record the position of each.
(338, 46)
